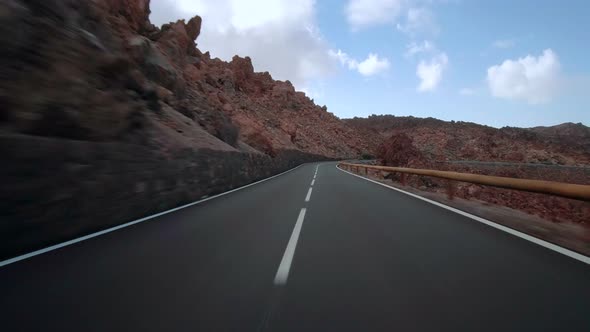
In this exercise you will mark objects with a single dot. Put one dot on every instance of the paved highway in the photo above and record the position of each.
(346, 255)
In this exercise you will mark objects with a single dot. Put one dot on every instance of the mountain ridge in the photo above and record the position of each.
(458, 140)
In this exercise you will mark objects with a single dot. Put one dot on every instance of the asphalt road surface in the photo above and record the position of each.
(347, 255)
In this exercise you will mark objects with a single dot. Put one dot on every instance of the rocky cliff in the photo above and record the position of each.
(105, 118)
(100, 71)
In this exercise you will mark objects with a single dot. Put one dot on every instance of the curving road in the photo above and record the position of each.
(346, 255)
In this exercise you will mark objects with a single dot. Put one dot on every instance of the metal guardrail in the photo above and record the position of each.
(568, 190)
(511, 164)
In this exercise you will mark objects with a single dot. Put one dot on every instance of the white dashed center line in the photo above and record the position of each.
(308, 195)
(285, 266)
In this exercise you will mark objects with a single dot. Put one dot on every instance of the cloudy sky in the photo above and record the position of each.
(501, 63)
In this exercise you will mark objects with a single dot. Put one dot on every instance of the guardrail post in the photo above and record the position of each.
(451, 189)
(403, 179)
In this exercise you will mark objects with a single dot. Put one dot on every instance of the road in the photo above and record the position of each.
(360, 257)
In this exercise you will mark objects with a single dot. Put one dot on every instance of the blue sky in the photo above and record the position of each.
(516, 63)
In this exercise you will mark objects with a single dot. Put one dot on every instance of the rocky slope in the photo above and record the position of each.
(101, 71)
(443, 141)
(556, 153)
(574, 135)
(105, 118)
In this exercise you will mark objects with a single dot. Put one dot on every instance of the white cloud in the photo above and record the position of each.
(364, 13)
(317, 91)
(504, 43)
(280, 36)
(431, 72)
(534, 79)
(416, 48)
(467, 92)
(411, 17)
(418, 20)
(372, 65)
(344, 59)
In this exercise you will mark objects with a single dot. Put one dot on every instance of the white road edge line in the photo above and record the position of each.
(308, 194)
(543, 243)
(112, 229)
(312, 182)
(285, 266)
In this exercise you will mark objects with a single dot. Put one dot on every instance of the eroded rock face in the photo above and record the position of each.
(193, 27)
(472, 148)
(566, 144)
(69, 52)
(105, 118)
(135, 12)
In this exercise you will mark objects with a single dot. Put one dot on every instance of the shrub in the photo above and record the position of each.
(367, 156)
(399, 150)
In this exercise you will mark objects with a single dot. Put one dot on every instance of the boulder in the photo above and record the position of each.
(193, 27)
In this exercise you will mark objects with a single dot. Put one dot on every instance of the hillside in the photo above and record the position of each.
(100, 71)
(549, 153)
(106, 118)
(565, 144)
(572, 134)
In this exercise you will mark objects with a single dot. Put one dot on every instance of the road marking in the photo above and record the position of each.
(112, 229)
(285, 266)
(312, 182)
(543, 243)
(308, 194)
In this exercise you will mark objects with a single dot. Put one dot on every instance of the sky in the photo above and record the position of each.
(500, 63)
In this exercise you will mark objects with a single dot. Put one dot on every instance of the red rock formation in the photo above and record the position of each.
(443, 140)
(431, 143)
(135, 12)
(98, 64)
(105, 118)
